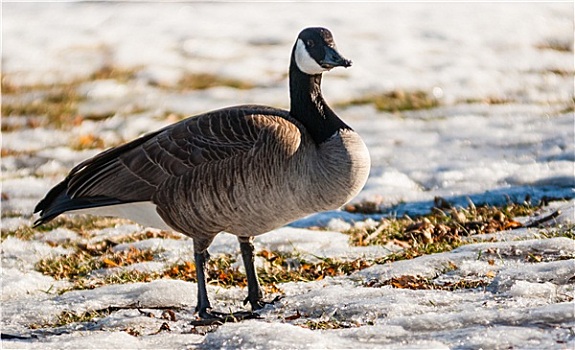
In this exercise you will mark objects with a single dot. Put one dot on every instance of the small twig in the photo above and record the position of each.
(376, 233)
(8, 336)
(536, 223)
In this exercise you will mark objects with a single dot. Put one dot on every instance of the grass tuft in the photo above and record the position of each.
(121, 277)
(203, 81)
(73, 266)
(278, 267)
(57, 105)
(25, 233)
(87, 141)
(67, 317)
(329, 324)
(423, 283)
(220, 272)
(441, 226)
(289, 267)
(556, 45)
(81, 263)
(396, 101)
(440, 231)
(490, 100)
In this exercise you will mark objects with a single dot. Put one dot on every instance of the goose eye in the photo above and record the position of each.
(310, 43)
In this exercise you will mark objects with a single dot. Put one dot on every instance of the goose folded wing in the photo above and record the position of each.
(132, 172)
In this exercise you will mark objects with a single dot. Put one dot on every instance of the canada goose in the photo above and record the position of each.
(244, 170)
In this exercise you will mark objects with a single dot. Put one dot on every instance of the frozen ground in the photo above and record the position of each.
(464, 55)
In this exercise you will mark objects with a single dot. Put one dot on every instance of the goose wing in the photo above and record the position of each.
(134, 171)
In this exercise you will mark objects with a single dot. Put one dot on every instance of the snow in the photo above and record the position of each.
(465, 150)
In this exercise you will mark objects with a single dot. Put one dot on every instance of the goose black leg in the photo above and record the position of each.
(203, 301)
(203, 308)
(255, 294)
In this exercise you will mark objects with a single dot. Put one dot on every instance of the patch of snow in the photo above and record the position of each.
(556, 272)
(434, 264)
(24, 254)
(58, 236)
(103, 89)
(316, 243)
(524, 289)
(465, 150)
(14, 223)
(21, 285)
(249, 334)
(117, 230)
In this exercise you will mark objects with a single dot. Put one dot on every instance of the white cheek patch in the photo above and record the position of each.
(305, 62)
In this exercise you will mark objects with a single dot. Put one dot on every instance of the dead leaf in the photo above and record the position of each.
(293, 317)
(109, 263)
(490, 274)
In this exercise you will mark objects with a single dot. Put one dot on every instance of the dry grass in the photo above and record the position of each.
(443, 226)
(490, 100)
(55, 105)
(556, 45)
(203, 81)
(329, 324)
(423, 283)
(396, 101)
(82, 262)
(81, 224)
(87, 141)
(440, 231)
(67, 317)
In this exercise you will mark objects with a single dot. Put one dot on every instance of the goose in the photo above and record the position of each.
(245, 170)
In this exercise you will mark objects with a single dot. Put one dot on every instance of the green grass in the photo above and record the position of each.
(73, 266)
(490, 100)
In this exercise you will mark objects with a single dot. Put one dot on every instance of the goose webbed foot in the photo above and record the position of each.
(210, 318)
(258, 303)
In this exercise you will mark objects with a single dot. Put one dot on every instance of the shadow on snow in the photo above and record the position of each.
(555, 188)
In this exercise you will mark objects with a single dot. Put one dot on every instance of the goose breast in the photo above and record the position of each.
(341, 170)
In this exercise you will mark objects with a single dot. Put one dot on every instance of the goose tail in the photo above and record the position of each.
(58, 201)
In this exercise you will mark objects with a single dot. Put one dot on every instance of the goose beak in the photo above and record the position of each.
(333, 59)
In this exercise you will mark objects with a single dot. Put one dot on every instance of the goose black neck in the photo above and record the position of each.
(308, 106)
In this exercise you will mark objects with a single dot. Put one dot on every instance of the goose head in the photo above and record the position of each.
(315, 52)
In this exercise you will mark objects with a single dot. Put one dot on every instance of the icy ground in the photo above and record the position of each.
(504, 130)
